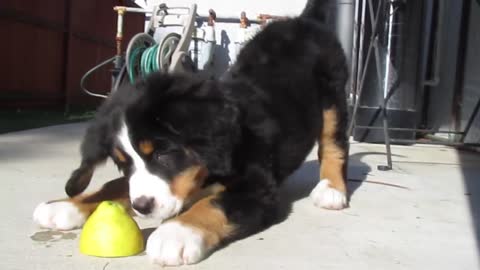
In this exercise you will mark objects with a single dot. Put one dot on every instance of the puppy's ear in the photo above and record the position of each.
(95, 148)
(100, 136)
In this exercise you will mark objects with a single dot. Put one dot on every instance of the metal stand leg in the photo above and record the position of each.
(389, 165)
(364, 70)
(373, 45)
(386, 135)
(359, 72)
(470, 121)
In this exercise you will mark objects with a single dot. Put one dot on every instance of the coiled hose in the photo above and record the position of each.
(147, 59)
(148, 56)
(142, 61)
(148, 63)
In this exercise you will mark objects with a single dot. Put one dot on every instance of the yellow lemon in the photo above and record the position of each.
(111, 232)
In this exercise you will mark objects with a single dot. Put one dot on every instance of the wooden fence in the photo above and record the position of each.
(46, 46)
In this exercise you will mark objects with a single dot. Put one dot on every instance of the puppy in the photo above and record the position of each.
(234, 141)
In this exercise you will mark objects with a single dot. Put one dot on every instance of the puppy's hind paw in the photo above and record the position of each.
(325, 196)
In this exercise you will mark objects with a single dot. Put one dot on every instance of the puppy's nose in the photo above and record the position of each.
(143, 205)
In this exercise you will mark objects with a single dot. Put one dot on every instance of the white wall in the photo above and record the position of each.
(225, 55)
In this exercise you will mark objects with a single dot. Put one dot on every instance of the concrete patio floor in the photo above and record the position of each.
(425, 214)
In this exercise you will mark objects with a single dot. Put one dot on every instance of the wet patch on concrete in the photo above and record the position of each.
(52, 236)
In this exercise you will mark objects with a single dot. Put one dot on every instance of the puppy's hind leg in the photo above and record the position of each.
(331, 191)
(71, 213)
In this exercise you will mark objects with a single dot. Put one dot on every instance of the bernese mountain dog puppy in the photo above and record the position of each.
(206, 157)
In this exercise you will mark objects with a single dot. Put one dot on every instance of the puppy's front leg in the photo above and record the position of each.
(71, 213)
(189, 237)
(241, 209)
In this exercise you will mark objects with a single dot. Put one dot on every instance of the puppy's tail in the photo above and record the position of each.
(316, 10)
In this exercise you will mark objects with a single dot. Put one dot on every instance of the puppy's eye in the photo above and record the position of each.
(158, 155)
(161, 153)
(164, 147)
(163, 158)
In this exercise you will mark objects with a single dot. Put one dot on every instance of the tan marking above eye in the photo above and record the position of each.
(146, 147)
(188, 181)
(119, 155)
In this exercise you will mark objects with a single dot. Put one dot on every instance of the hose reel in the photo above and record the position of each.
(144, 55)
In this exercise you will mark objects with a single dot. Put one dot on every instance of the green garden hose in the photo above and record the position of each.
(143, 61)
(145, 56)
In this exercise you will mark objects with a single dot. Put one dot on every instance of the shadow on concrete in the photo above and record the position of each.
(299, 185)
(302, 182)
(469, 161)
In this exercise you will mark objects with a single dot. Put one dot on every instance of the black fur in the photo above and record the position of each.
(252, 129)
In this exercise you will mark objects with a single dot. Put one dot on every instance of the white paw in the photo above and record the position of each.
(175, 244)
(58, 216)
(327, 197)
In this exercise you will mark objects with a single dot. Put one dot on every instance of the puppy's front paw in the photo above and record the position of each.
(60, 215)
(175, 244)
(327, 197)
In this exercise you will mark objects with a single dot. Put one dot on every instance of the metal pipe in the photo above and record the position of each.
(455, 144)
(385, 98)
(229, 19)
(354, 53)
(410, 129)
(131, 10)
(435, 81)
(200, 16)
(344, 26)
(118, 41)
(360, 60)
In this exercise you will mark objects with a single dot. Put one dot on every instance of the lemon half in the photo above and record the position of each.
(111, 232)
